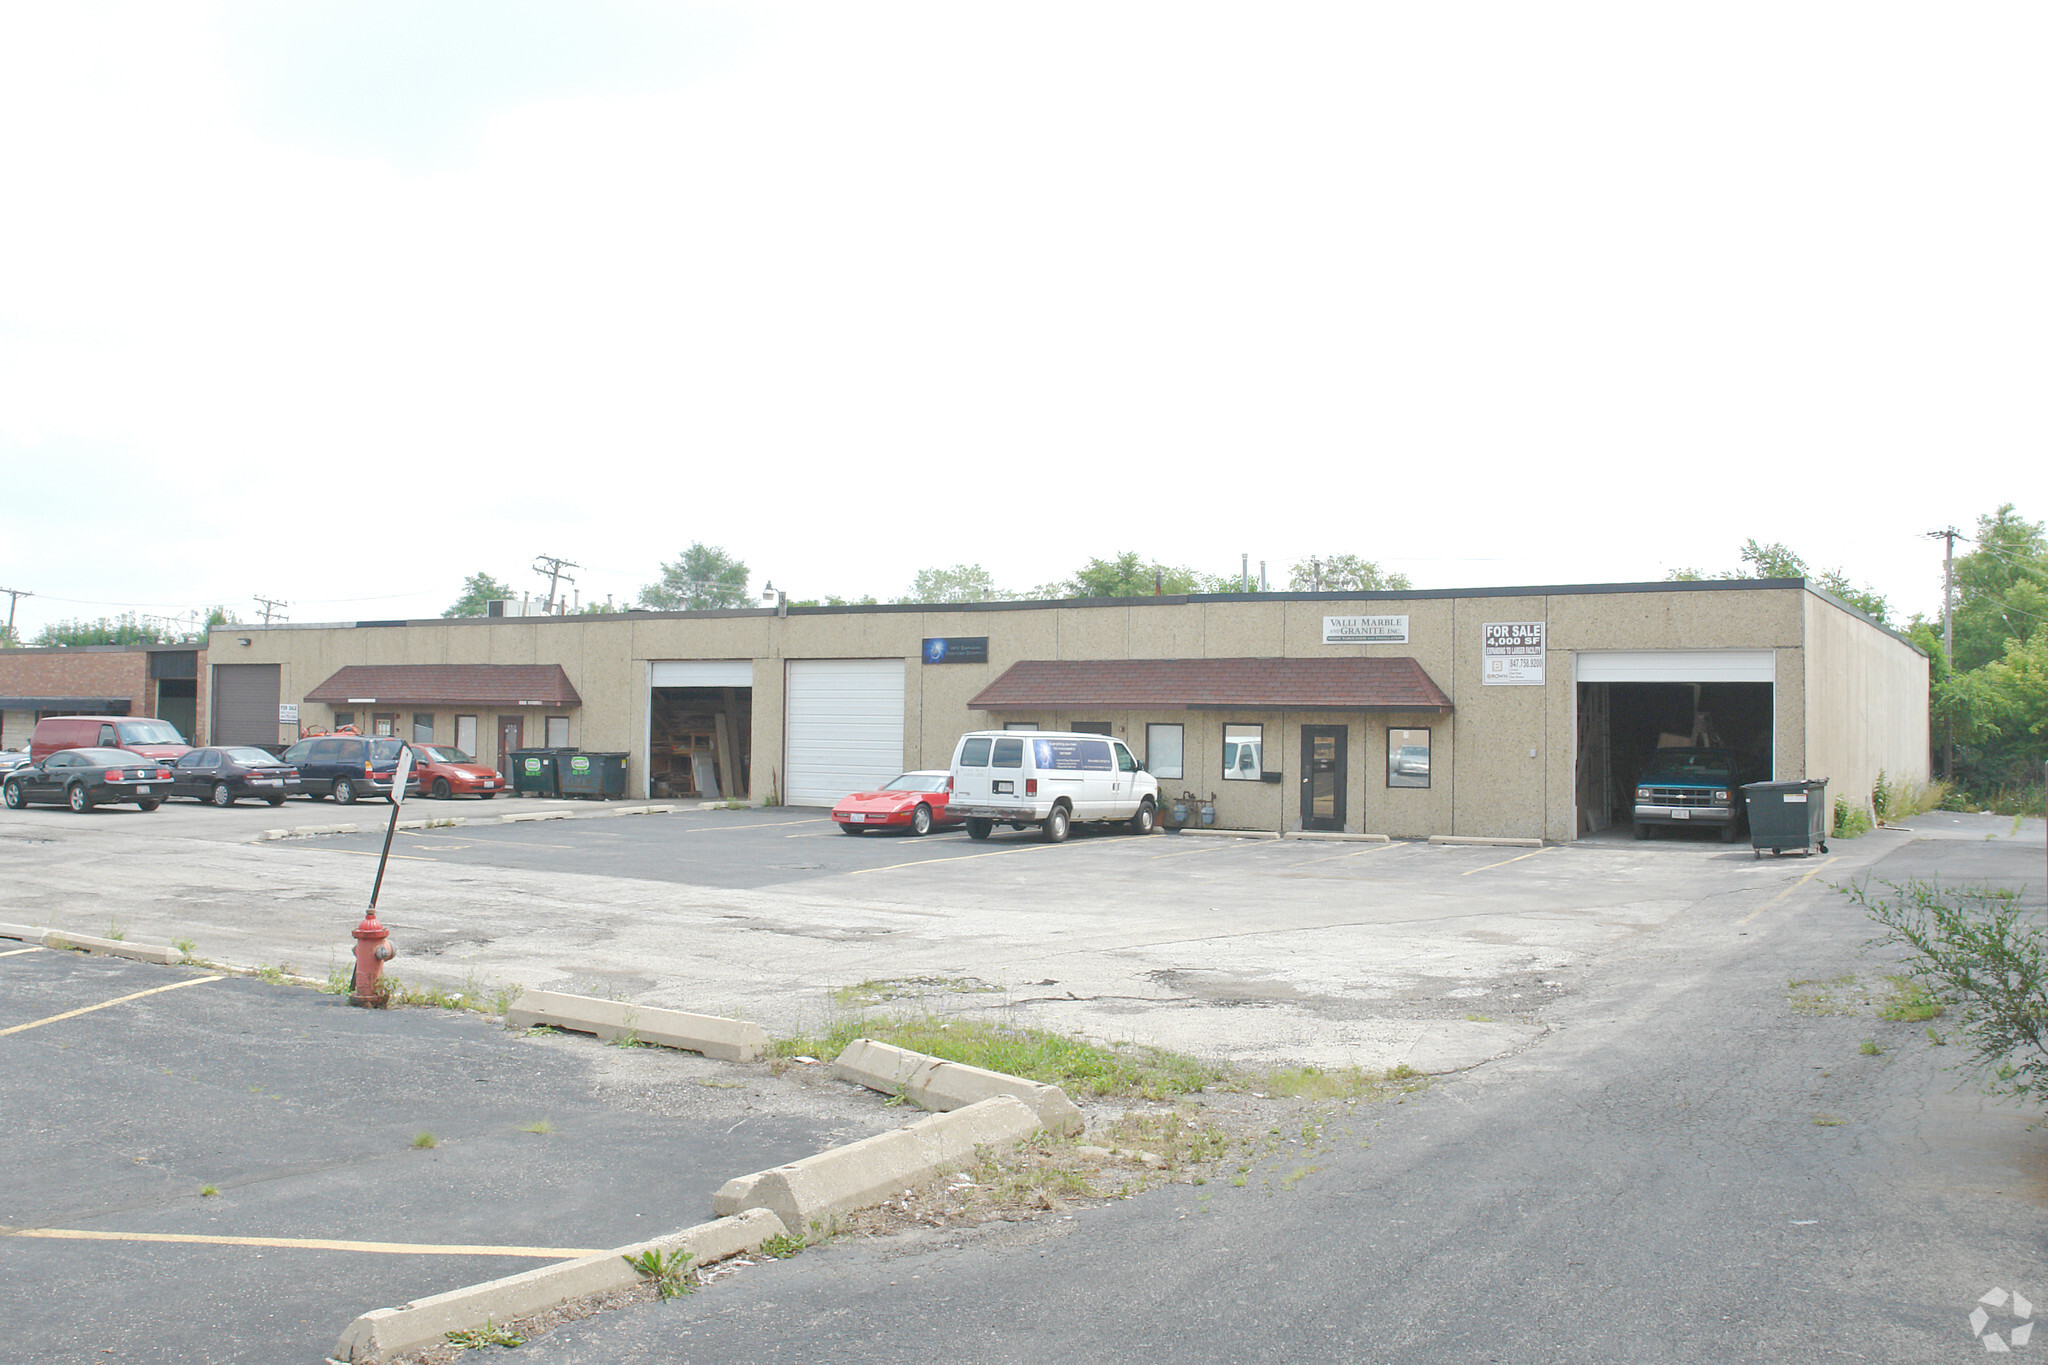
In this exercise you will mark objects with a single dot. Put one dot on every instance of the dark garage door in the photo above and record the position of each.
(245, 703)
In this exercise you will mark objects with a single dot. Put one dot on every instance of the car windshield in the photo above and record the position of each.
(1690, 763)
(918, 782)
(385, 750)
(248, 755)
(446, 753)
(109, 758)
(148, 732)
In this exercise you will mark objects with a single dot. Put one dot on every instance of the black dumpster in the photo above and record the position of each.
(602, 776)
(1786, 815)
(537, 772)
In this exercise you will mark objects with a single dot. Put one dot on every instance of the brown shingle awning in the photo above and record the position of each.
(1393, 684)
(450, 685)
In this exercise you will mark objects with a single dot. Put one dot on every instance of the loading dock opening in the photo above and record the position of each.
(1630, 703)
(699, 742)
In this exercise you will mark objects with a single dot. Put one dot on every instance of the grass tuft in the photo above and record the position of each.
(1081, 1068)
(425, 1140)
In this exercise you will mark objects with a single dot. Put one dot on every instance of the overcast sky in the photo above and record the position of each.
(341, 302)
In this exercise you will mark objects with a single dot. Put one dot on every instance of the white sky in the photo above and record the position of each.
(342, 302)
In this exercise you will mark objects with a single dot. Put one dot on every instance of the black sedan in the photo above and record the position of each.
(227, 774)
(84, 778)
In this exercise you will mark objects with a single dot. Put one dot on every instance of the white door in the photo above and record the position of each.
(843, 730)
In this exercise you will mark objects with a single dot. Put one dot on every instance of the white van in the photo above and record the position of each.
(1051, 779)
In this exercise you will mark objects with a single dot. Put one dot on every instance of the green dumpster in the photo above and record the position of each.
(537, 772)
(599, 775)
(1787, 815)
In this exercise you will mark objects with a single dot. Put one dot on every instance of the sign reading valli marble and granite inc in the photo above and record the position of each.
(1365, 630)
(1511, 653)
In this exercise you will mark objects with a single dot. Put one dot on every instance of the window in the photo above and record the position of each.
(1163, 750)
(1124, 761)
(342, 718)
(1090, 727)
(1407, 758)
(974, 753)
(384, 723)
(1009, 754)
(1020, 725)
(465, 734)
(558, 732)
(423, 727)
(1243, 752)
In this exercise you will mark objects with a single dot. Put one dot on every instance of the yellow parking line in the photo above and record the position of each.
(73, 1014)
(1369, 848)
(372, 853)
(1503, 862)
(963, 858)
(17, 952)
(1790, 889)
(304, 1243)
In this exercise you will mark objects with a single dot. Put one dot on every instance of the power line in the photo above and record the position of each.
(271, 605)
(551, 567)
(14, 595)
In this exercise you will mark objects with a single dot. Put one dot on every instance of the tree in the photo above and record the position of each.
(1777, 560)
(1129, 574)
(125, 629)
(2001, 587)
(961, 583)
(478, 590)
(704, 578)
(1343, 573)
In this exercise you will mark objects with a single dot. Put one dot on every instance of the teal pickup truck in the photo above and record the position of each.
(1690, 787)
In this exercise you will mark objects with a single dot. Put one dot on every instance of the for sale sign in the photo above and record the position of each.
(1511, 653)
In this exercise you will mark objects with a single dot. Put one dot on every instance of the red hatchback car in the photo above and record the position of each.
(446, 771)
(914, 801)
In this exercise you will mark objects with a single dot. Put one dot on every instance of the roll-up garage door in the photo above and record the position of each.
(844, 731)
(245, 700)
(1679, 665)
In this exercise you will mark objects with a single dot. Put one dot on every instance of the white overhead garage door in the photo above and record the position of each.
(844, 731)
(1679, 665)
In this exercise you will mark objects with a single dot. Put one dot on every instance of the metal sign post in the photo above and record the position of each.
(398, 781)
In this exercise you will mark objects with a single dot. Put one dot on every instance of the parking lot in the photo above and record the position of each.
(1260, 950)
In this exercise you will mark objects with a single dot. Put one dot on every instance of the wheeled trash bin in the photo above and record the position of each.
(537, 772)
(1787, 815)
(602, 776)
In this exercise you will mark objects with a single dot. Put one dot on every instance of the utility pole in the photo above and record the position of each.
(271, 607)
(552, 567)
(1244, 573)
(1948, 634)
(1317, 565)
(13, 595)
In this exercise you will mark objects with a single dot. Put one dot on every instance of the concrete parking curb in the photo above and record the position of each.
(930, 1083)
(1232, 833)
(161, 954)
(1330, 836)
(812, 1191)
(458, 821)
(387, 1332)
(727, 1040)
(1483, 841)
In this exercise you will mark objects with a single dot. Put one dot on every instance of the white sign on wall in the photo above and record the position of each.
(287, 713)
(1365, 630)
(1511, 653)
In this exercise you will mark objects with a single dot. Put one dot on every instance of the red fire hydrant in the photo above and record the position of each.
(373, 950)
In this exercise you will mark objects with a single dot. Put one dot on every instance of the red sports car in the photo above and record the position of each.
(914, 801)
(444, 771)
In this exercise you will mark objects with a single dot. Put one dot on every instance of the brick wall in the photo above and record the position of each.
(85, 672)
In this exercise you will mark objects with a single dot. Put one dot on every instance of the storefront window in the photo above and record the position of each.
(465, 734)
(558, 732)
(1243, 752)
(1163, 750)
(423, 727)
(1407, 758)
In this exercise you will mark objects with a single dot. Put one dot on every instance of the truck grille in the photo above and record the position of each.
(1682, 796)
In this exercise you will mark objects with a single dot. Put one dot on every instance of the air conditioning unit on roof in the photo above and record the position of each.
(507, 606)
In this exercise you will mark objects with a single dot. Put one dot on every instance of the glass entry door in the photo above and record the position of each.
(1322, 777)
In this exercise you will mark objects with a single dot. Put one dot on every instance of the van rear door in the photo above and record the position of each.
(970, 771)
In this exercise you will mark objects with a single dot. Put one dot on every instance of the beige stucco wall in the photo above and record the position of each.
(1865, 705)
(1848, 695)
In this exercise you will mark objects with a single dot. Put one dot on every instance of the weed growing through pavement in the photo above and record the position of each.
(881, 991)
(1870, 1047)
(116, 931)
(667, 1271)
(490, 1334)
(184, 947)
(1083, 1069)
(425, 1140)
(340, 981)
(274, 975)
(208, 1191)
(1909, 1001)
(1828, 1120)
(783, 1246)
(539, 1127)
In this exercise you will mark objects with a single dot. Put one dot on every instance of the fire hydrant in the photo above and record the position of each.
(373, 950)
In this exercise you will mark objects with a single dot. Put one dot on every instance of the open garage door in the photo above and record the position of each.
(1631, 702)
(844, 727)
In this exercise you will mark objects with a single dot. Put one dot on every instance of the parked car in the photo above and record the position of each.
(1412, 760)
(226, 775)
(158, 739)
(349, 766)
(1050, 779)
(915, 801)
(84, 778)
(10, 759)
(446, 771)
(1690, 787)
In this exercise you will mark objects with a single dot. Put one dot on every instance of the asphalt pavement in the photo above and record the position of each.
(305, 1118)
